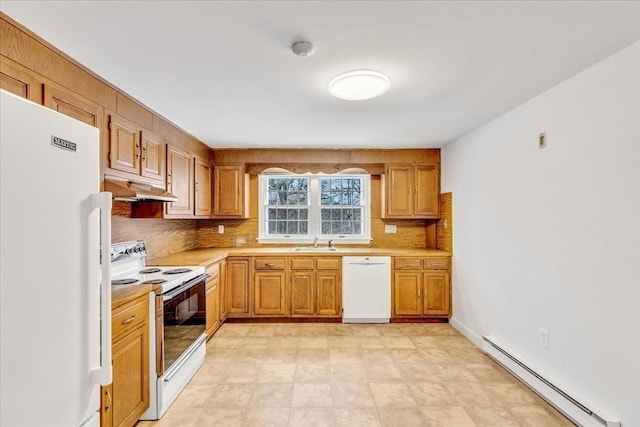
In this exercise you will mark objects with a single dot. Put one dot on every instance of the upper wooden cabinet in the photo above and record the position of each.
(19, 80)
(135, 151)
(230, 192)
(202, 187)
(411, 191)
(73, 105)
(180, 182)
(189, 179)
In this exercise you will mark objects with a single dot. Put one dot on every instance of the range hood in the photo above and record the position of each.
(131, 191)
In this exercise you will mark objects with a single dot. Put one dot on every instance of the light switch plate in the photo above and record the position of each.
(221, 229)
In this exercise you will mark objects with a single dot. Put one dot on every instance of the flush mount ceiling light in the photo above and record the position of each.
(358, 85)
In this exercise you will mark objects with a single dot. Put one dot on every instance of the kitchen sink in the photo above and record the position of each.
(313, 249)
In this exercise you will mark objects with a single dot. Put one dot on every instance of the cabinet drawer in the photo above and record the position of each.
(268, 263)
(130, 316)
(213, 270)
(436, 263)
(212, 282)
(407, 263)
(332, 263)
(303, 263)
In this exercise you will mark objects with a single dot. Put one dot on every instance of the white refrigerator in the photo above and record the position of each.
(55, 340)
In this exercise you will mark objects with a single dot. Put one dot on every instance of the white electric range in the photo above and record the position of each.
(177, 320)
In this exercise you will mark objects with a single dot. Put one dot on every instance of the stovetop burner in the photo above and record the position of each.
(149, 270)
(177, 271)
(123, 281)
(154, 281)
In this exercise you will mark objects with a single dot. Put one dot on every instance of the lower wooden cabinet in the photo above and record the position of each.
(237, 287)
(421, 287)
(212, 297)
(316, 287)
(269, 293)
(127, 398)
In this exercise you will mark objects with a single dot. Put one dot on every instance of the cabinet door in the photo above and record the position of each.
(223, 291)
(407, 287)
(19, 80)
(328, 293)
(399, 191)
(130, 377)
(153, 162)
(106, 406)
(269, 294)
(237, 287)
(302, 293)
(427, 186)
(124, 146)
(436, 293)
(213, 305)
(72, 105)
(229, 191)
(179, 182)
(202, 187)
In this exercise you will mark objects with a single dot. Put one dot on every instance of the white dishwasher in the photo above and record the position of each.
(366, 289)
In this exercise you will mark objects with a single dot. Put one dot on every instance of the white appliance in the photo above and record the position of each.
(55, 351)
(366, 289)
(177, 321)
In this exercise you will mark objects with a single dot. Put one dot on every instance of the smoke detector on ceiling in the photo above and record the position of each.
(303, 48)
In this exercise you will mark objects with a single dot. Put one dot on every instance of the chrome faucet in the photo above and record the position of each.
(315, 242)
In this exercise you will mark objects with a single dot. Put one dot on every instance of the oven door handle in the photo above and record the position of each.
(184, 287)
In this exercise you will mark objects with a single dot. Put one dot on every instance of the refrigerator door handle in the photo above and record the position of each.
(103, 374)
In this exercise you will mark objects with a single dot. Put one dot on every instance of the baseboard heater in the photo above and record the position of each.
(563, 402)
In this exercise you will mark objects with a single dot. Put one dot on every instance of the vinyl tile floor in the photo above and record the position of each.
(335, 375)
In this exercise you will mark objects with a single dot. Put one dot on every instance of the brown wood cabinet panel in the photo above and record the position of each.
(19, 80)
(411, 191)
(427, 190)
(303, 263)
(202, 189)
(407, 263)
(153, 162)
(237, 287)
(73, 105)
(124, 145)
(399, 191)
(303, 295)
(223, 291)
(179, 182)
(436, 295)
(130, 377)
(328, 293)
(407, 287)
(436, 263)
(268, 263)
(230, 195)
(269, 294)
(106, 406)
(212, 305)
(329, 263)
(128, 396)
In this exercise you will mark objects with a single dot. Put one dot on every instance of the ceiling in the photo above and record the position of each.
(224, 70)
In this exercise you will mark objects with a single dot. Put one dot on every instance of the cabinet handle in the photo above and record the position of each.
(137, 151)
(269, 264)
(107, 405)
(129, 320)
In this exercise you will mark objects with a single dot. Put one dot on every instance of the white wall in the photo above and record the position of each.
(551, 238)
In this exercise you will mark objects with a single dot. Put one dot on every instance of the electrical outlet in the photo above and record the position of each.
(445, 225)
(390, 229)
(542, 140)
(544, 338)
(221, 229)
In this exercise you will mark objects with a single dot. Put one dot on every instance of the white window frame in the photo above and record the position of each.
(314, 206)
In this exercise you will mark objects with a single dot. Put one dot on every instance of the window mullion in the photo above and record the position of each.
(314, 206)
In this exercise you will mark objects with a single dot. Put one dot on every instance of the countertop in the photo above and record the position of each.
(207, 256)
